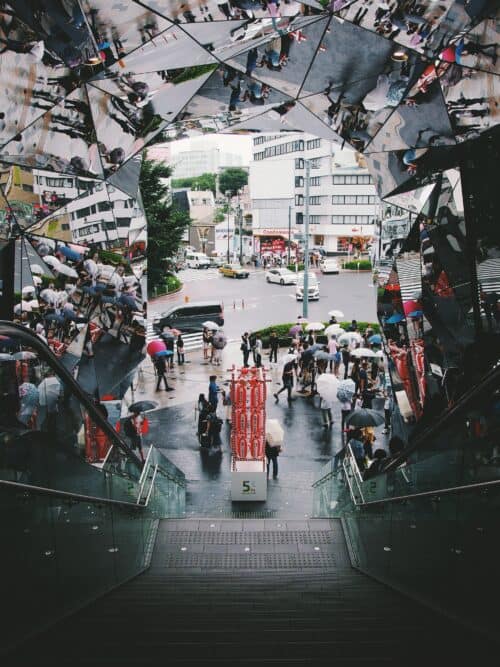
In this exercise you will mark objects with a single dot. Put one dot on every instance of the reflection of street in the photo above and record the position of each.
(253, 303)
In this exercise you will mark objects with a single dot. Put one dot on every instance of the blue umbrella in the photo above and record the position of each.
(164, 353)
(376, 339)
(69, 253)
(394, 319)
(416, 313)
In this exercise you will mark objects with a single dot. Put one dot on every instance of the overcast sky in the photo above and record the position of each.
(241, 145)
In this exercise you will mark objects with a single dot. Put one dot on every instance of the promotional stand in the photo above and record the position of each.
(248, 434)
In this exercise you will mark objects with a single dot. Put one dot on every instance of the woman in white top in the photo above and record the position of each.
(333, 350)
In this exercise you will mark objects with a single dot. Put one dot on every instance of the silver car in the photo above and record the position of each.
(281, 276)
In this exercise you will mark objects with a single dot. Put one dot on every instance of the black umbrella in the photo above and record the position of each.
(143, 406)
(365, 417)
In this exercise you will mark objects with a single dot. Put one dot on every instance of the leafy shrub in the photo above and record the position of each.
(285, 339)
(362, 265)
(291, 267)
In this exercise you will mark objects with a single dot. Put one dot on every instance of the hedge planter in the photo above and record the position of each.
(285, 340)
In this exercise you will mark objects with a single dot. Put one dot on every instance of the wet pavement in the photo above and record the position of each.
(307, 446)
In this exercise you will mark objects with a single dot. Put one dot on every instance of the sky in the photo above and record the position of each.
(227, 143)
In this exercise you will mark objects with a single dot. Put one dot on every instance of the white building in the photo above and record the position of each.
(343, 205)
(192, 163)
(96, 212)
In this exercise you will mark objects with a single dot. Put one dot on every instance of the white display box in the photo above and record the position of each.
(249, 481)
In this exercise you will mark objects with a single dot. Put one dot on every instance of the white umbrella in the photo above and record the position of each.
(52, 261)
(66, 270)
(350, 336)
(29, 289)
(210, 325)
(327, 385)
(335, 313)
(49, 295)
(274, 432)
(363, 352)
(37, 269)
(287, 358)
(334, 330)
(379, 354)
(315, 326)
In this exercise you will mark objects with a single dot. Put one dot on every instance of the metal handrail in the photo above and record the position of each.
(151, 486)
(450, 414)
(66, 494)
(435, 492)
(46, 354)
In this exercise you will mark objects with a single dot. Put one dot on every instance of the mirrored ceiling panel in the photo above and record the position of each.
(62, 140)
(472, 98)
(216, 11)
(230, 96)
(121, 27)
(283, 62)
(420, 26)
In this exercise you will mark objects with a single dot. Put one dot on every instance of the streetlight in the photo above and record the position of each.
(305, 295)
(240, 221)
(228, 195)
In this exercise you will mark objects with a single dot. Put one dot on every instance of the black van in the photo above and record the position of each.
(189, 317)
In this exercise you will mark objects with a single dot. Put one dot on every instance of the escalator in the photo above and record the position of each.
(428, 524)
(79, 509)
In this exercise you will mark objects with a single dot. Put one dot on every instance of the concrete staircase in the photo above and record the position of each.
(263, 592)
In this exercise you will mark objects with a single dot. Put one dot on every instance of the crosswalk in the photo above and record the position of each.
(198, 275)
(410, 279)
(193, 341)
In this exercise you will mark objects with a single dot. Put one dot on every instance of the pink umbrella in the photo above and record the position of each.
(155, 346)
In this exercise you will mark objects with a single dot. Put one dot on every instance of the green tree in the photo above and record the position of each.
(232, 179)
(166, 223)
(204, 182)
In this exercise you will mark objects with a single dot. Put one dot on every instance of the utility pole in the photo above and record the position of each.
(228, 195)
(289, 232)
(240, 221)
(305, 296)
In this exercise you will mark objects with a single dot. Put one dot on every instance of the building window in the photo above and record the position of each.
(352, 179)
(315, 200)
(299, 181)
(314, 219)
(315, 181)
(316, 163)
(299, 163)
(351, 220)
(299, 200)
(299, 218)
(313, 143)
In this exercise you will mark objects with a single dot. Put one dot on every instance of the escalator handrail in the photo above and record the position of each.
(420, 439)
(70, 495)
(432, 493)
(32, 340)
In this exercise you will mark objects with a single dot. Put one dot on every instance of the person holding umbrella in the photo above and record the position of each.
(245, 348)
(161, 368)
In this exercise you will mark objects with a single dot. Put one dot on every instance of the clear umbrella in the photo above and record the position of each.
(210, 325)
(346, 390)
(219, 341)
(334, 330)
(335, 313)
(327, 386)
(350, 336)
(321, 355)
(363, 352)
(50, 390)
(315, 326)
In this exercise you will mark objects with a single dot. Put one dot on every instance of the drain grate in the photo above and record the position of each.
(250, 561)
(270, 537)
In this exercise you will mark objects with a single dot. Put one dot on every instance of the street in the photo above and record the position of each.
(253, 303)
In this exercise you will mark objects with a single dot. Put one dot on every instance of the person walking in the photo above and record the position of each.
(345, 411)
(257, 351)
(387, 412)
(245, 348)
(346, 355)
(274, 344)
(213, 429)
(227, 403)
(161, 369)
(333, 351)
(326, 413)
(133, 427)
(272, 453)
(213, 391)
(180, 350)
(289, 370)
(206, 343)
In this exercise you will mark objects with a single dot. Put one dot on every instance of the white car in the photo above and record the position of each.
(329, 265)
(313, 287)
(281, 276)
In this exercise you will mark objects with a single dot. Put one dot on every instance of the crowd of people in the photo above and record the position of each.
(73, 288)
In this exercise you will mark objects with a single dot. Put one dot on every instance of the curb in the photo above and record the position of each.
(167, 294)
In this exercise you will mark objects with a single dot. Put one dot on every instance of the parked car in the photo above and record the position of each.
(329, 265)
(281, 276)
(189, 318)
(313, 287)
(197, 260)
(234, 271)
